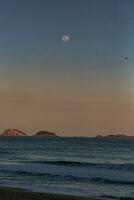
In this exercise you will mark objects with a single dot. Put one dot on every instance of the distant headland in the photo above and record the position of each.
(18, 133)
(119, 136)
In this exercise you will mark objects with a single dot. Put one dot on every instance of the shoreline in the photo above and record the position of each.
(9, 193)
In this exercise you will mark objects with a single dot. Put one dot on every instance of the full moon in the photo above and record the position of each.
(65, 38)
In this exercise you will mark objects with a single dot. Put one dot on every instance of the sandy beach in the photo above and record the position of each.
(7, 193)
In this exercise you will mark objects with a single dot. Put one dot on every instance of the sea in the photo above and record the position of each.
(88, 167)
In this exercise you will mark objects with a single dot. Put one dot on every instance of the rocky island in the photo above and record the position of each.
(46, 134)
(13, 132)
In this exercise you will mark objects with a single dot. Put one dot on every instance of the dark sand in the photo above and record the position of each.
(21, 194)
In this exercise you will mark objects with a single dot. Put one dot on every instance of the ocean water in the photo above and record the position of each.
(75, 166)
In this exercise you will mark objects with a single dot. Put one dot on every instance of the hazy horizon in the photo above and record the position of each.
(79, 87)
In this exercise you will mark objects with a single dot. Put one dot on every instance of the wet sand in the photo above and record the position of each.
(7, 193)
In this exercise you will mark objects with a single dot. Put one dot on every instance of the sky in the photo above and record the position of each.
(82, 87)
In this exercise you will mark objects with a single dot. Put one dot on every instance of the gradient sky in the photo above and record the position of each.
(84, 87)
